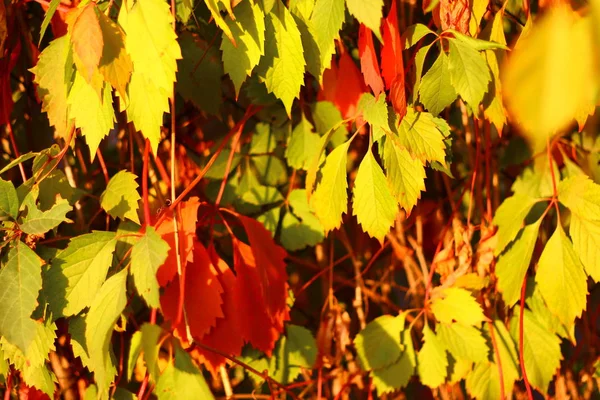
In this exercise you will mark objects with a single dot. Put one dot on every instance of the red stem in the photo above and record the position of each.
(145, 183)
(16, 150)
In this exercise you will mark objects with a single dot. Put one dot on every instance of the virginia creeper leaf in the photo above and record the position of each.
(302, 145)
(378, 344)
(432, 359)
(115, 64)
(86, 38)
(368, 13)
(420, 135)
(9, 202)
(397, 375)
(463, 341)
(375, 112)
(147, 255)
(369, 64)
(509, 218)
(38, 222)
(469, 72)
(21, 280)
(586, 243)
(327, 19)
(413, 34)
(391, 51)
(581, 195)
(435, 90)
(373, 204)
(120, 198)
(456, 304)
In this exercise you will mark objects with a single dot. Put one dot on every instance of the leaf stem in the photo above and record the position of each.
(521, 352)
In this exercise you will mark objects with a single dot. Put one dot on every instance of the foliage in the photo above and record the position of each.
(299, 199)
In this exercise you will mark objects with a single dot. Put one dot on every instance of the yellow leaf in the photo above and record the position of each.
(86, 37)
(115, 64)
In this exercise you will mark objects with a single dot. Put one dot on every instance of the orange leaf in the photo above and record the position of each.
(368, 60)
(31, 393)
(86, 37)
(329, 85)
(398, 96)
(187, 216)
(202, 297)
(455, 14)
(391, 52)
(350, 86)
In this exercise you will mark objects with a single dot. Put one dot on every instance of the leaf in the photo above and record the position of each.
(543, 89)
(48, 17)
(282, 67)
(560, 271)
(432, 360)
(296, 351)
(435, 90)
(270, 170)
(327, 19)
(349, 86)
(373, 204)
(413, 34)
(378, 344)
(147, 255)
(86, 38)
(405, 174)
(581, 195)
(120, 198)
(478, 44)
(514, 263)
(375, 112)
(391, 51)
(541, 350)
(326, 116)
(19, 160)
(77, 272)
(296, 234)
(106, 308)
(150, 347)
(463, 341)
(586, 243)
(9, 202)
(36, 354)
(20, 279)
(509, 218)
(40, 378)
(135, 349)
(369, 64)
(77, 333)
(115, 64)
(182, 379)
(152, 43)
(330, 199)
(458, 305)
(397, 375)
(202, 300)
(248, 30)
(469, 72)
(420, 135)
(368, 13)
(213, 6)
(53, 73)
(303, 145)
(38, 222)
(93, 114)
(200, 73)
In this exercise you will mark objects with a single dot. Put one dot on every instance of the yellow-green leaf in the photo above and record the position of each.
(327, 19)
(120, 198)
(581, 195)
(455, 304)
(433, 360)
(509, 219)
(147, 254)
(421, 136)
(469, 73)
(368, 13)
(435, 90)
(586, 243)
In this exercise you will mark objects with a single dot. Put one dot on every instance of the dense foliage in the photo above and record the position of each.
(300, 199)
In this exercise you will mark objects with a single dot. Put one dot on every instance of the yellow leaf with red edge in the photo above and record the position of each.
(115, 64)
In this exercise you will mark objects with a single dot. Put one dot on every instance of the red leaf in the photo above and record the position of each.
(7, 63)
(187, 216)
(257, 326)
(327, 93)
(368, 60)
(202, 297)
(31, 393)
(455, 14)
(270, 262)
(350, 86)
(391, 52)
(398, 96)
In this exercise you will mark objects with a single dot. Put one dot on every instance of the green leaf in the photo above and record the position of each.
(378, 344)
(301, 11)
(77, 272)
(36, 354)
(77, 332)
(581, 195)
(303, 145)
(56, 184)
(537, 181)
(405, 174)
(92, 113)
(420, 63)
(38, 222)
(120, 198)
(270, 170)
(135, 349)
(413, 34)
(106, 308)
(213, 6)
(397, 375)
(469, 73)
(297, 233)
(456, 304)
(435, 90)
(327, 19)
(199, 74)
(40, 378)
(432, 360)
(477, 44)
(150, 338)
(421, 136)
(282, 67)
(373, 204)
(21, 281)
(260, 195)
(509, 219)
(264, 139)
(541, 350)
(586, 243)
(182, 380)
(295, 351)
(375, 112)
(559, 272)
(53, 73)
(9, 202)
(248, 30)
(19, 160)
(514, 263)
(326, 116)
(464, 342)
(48, 17)
(368, 13)
(330, 199)
(147, 254)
